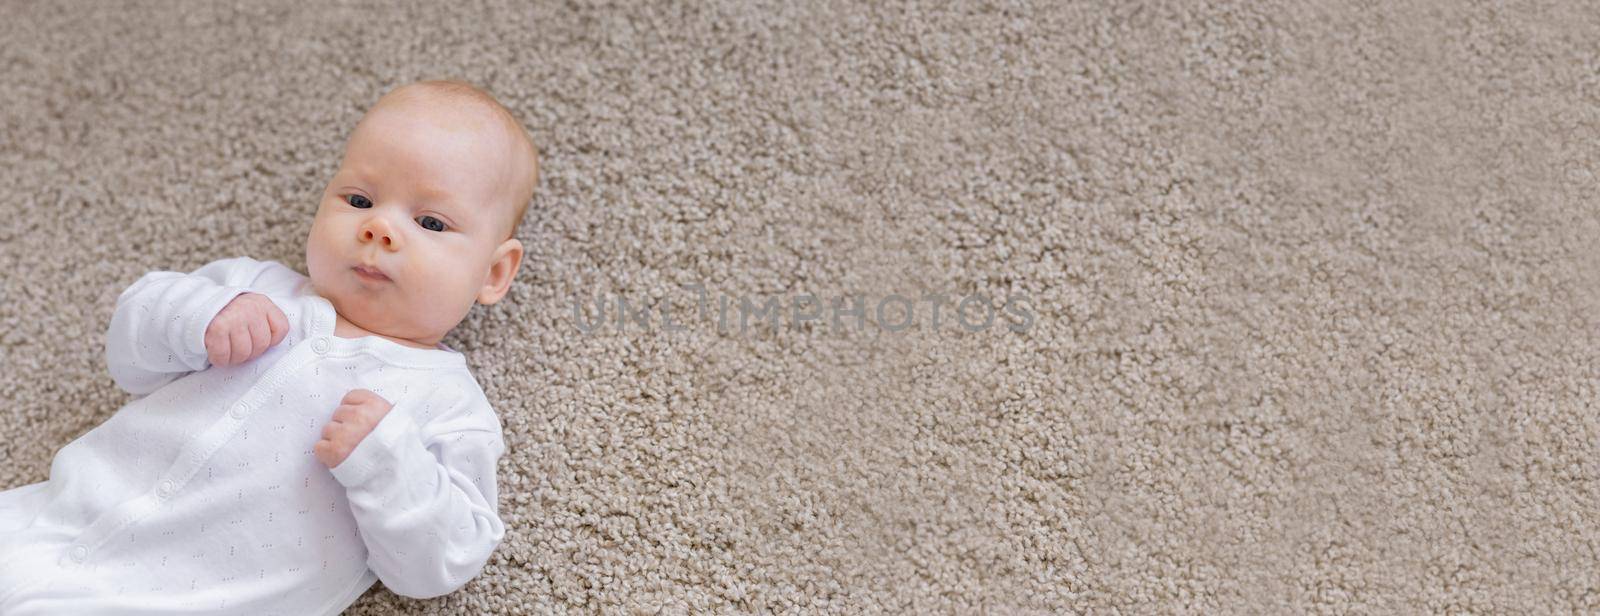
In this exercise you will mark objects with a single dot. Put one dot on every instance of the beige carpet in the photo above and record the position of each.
(1312, 287)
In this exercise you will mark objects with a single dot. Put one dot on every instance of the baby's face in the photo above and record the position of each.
(420, 197)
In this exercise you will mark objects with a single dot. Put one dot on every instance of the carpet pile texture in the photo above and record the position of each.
(1304, 293)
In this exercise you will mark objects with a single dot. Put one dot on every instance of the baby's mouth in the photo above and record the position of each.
(370, 273)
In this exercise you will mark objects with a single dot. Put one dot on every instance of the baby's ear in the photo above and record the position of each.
(502, 270)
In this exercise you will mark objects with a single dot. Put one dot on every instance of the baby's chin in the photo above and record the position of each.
(368, 321)
(349, 308)
(375, 318)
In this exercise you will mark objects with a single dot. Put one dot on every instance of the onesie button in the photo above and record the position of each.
(166, 488)
(320, 345)
(79, 553)
(238, 411)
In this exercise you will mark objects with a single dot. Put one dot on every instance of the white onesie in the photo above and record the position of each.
(202, 495)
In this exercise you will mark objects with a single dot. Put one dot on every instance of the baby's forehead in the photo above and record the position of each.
(430, 129)
(449, 113)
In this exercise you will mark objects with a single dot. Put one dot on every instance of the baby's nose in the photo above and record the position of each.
(368, 235)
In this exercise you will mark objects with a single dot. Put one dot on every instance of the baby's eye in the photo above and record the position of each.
(430, 223)
(359, 201)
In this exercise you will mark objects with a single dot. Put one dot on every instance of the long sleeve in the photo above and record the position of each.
(157, 331)
(425, 499)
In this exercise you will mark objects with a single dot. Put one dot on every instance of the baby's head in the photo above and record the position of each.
(431, 190)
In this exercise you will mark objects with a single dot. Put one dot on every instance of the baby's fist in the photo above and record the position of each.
(246, 328)
(357, 415)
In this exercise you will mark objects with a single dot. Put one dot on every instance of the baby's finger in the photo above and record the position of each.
(240, 337)
(344, 414)
(260, 335)
(338, 434)
(217, 349)
(324, 452)
(277, 323)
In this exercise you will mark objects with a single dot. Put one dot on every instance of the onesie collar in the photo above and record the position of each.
(384, 349)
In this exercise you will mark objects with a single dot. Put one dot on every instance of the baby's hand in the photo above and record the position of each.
(246, 328)
(357, 415)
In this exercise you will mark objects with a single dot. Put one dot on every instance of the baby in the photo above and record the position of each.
(292, 440)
